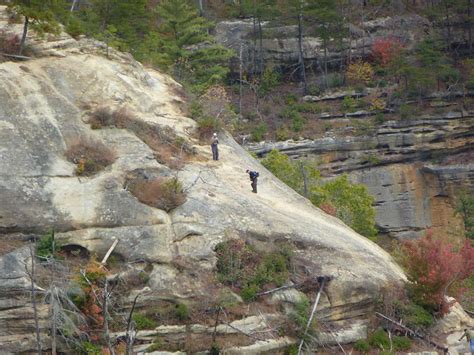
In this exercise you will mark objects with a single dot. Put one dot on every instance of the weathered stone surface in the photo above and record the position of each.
(261, 346)
(344, 334)
(280, 44)
(455, 320)
(43, 109)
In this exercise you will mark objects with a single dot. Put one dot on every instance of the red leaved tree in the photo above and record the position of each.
(385, 49)
(433, 266)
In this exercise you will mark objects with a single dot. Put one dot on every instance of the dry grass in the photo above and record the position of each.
(169, 149)
(11, 242)
(90, 156)
(9, 43)
(162, 193)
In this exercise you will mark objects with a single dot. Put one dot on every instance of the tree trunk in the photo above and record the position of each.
(74, 4)
(469, 26)
(33, 298)
(201, 8)
(260, 47)
(300, 50)
(254, 39)
(326, 64)
(23, 36)
(305, 180)
(240, 78)
(53, 300)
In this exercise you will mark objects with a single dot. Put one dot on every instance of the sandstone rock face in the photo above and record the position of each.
(280, 44)
(412, 168)
(44, 108)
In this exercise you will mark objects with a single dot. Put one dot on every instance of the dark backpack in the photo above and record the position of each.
(254, 175)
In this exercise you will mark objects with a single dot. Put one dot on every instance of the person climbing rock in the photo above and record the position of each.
(469, 335)
(253, 177)
(215, 149)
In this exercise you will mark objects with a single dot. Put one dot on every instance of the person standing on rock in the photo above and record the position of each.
(215, 149)
(253, 177)
(470, 339)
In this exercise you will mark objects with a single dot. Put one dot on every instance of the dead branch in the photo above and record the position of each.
(22, 57)
(131, 333)
(111, 249)
(313, 311)
(235, 328)
(412, 332)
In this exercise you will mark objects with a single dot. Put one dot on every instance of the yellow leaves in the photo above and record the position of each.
(360, 72)
(377, 105)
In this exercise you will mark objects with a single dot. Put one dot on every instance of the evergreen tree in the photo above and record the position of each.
(324, 18)
(123, 23)
(182, 44)
(40, 14)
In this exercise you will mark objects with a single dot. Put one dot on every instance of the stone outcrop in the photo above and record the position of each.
(413, 168)
(44, 107)
(280, 44)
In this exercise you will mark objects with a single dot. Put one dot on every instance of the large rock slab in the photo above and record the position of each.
(44, 106)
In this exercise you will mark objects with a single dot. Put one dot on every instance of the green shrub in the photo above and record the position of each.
(335, 80)
(215, 350)
(362, 346)
(282, 133)
(249, 293)
(291, 99)
(307, 107)
(243, 267)
(297, 123)
(258, 132)
(401, 343)
(195, 110)
(143, 321)
(74, 27)
(270, 80)
(470, 85)
(416, 316)
(156, 346)
(181, 311)
(359, 88)
(406, 112)
(314, 90)
(207, 126)
(44, 246)
(379, 339)
(349, 104)
(449, 75)
(379, 118)
(291, 350)
(88, 348)
(300, 316)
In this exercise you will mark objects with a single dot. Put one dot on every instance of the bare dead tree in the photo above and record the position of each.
(32, 277)
(131, 333)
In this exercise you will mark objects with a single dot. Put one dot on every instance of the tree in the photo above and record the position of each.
(433, 266)
(351, 202)
(465, 208)
(40, 14)
(121, 23)
(325, 20)
(183, 44)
